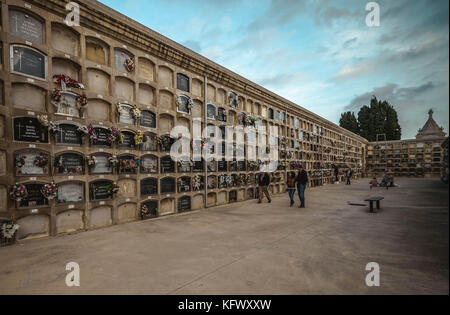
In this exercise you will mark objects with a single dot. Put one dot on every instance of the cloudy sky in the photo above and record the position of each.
(319, 54)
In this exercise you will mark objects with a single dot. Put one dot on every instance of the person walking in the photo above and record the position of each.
(336, 174)
(302, 183)
(263, 183)
(291, 181)
(349, 175)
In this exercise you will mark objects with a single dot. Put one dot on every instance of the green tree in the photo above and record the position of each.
(348, 121)
(378, 118)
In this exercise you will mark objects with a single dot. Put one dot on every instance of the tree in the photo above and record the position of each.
(349, 122)
(378, 118)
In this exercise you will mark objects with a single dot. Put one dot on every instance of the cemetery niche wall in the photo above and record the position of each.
(90, 114)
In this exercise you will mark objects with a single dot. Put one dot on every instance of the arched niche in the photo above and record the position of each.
(241, 195)
(98, 110)
(197, 87)
(221, 96)
(264, 111)
(271, 114)
(183, 103)
(65, 39)
(69, 192)
(250, 193)
(197, 109)
(100, 217)
(28, 61)
(184, 184)
(184, 122)
(222, 198)
(35, 197)
(29, 97)
(69, 221)
(211, 111)
(31, 162)
(97, 51)
(165, 77)
(166, 100)
(167, 206)
(146, 69)
(66, 67)
(166, 123)
(127, 212)
(167, 164)
(249, 106)
(232, 196)
(127, 188)
(120, 58)
(102, 164)
(69, 134)
(3, 198)
(168, 185)
(98, 81)
(68, 105)
(128, 140)
(212, 182)
(124, 89)
(211, 90)
(149, 209)
(128, 164)
(212, 199)
(232, 100)
(146, 94)
(232, 119)
(184, 204)
(148, 119)
(149, 187)
(222, 114)
(151, 144)
(257, 109)
(33, 226)
(149, 164)
(29, 129)
(183, 82)
(100, 190)
(26, 25)
(69, 163)
(125, 114)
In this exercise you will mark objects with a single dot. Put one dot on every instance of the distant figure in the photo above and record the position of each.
(302, 184)
(263, 182)
(336, 173)
(387, 181)
(349, 175)
(291, 181)
(373, 183)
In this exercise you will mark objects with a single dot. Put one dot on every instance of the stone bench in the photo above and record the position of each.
(372, 200)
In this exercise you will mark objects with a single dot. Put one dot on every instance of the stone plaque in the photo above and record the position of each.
(35, 197)
(148, 119)
(30, 162)
(120, 57)
(149, 164)
(26, 26)
(222, 166)
(184, 204)
(212, 182)
(102, 164)
(28, 129)
(68, 105)
(100, 190)
(70, 192)
(28, 61)
(167, 165)
(128, 140)
(149, 186)
(69, 134)
(125, 116)
(184, 184)
(70, 163)
(152, 207)
(103, 134)
(167, 185)
(211, 111)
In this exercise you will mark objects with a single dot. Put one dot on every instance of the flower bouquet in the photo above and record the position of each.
(41, 160)
(50, 191)
(196, 182)
(140, 138)
(113, 188)
(18, 192)
(91, 161)
(130, 65)
(82, 101)
(112, 159)
(83, 130)
(92, 135)
(55, 96)
(43, 120)
(9, 229)
(67, 82)
(20, 161)
(114, 135)
(136, 112)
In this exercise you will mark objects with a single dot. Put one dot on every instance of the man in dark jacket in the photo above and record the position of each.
(263, 182)
(302, 183)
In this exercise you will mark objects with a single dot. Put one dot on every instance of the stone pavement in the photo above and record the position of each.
(248, 248)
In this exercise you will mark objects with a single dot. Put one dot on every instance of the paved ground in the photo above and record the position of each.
(255, 249)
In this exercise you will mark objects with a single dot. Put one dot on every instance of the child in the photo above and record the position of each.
(373, 183)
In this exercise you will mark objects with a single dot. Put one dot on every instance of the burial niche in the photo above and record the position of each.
(103, 163)
(149, 187)
(103, 136)
(29, 97)
(101, 190)
(168, 185)
(126, 113)
(70, 192)
(29, 129)
(182, 82)
(28, 61)
(26, 26)
(65, 40)
(128, 164)
(35, 197)
(69, 134)
(69, 163)
(148, 119)
(67, 103)
(31, 162)
(149, 210)
(127, 140)
(121, 57)
(184, 204)
(152, 142)
(149, 164)
(167, 165)
(184, 184)
(97, 51)
(211, 111)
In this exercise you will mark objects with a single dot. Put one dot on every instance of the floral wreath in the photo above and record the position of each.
(82, 101)
(9, 229)
(55, 96)
(113, 161)
(92, 134)
(66, 81)
(19, 161)
(50, 191)
(130, 64)
(196, 182)
(91, 161)
(41, 160)
(140, 138)
(18, 192)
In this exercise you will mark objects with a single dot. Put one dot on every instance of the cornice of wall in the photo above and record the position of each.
(106, 21)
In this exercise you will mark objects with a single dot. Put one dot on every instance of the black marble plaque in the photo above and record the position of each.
(149, 186)
(184, 204)
(100, 190)
(29, 61)
(182, 82)
(128, 140)
(184, 184)
(211, 111)
(71, 163)
(148, 119)
(167, 185)
(28, 129)
(199, 166)
(102, 134)
(242, 166)
(222, 166)
(25, 26)
(167, 165)
(152, 207)
(69, 134)
(35, 197)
